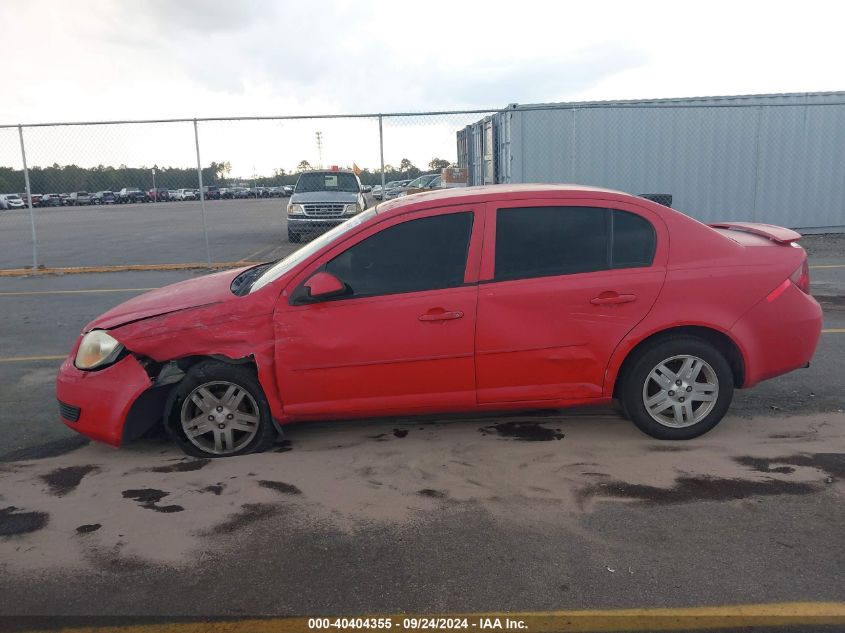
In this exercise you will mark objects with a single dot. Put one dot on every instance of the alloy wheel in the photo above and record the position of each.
(680, 391)
(220, 417)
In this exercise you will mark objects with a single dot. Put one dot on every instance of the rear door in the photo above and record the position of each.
(402, 339)
(562, 282)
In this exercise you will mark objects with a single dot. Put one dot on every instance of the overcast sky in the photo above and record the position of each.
(113, 59)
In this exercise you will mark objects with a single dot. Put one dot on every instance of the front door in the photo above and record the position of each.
(402, 338)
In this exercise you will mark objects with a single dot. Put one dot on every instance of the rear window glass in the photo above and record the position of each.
(546, 241)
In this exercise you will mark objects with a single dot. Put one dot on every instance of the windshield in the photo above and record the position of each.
(327, 181)
(422, 181)
(283, 266)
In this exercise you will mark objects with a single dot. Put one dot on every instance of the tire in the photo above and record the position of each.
(293, 237)
(233, 397)
(652, 376)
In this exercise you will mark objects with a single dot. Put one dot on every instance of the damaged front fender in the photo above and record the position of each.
(208, 332)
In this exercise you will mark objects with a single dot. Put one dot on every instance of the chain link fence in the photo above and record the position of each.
(214, 191)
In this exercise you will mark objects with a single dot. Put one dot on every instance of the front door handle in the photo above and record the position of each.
(438, 314)
(612, 298)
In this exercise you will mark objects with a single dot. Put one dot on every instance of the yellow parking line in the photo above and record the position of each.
(71, 292)
(828, 266)
(24, 359)
(254, 256)
(834, 330)
(657, 619)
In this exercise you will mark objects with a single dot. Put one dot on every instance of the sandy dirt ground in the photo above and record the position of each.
(96, 507)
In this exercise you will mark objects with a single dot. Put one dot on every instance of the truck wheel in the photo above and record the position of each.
(678, 388)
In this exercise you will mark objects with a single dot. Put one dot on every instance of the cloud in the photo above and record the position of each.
(112, 59)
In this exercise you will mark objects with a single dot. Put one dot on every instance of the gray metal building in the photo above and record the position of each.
(765, 158)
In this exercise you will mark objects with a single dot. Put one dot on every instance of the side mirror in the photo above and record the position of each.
(324, 285)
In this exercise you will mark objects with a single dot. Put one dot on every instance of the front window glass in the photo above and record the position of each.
(283, 266)
(424, 254)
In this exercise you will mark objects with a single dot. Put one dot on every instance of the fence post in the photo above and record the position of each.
(29, 202)
(381, 153)
(202, 195)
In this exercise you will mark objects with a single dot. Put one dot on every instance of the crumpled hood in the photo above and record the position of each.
(191, 293)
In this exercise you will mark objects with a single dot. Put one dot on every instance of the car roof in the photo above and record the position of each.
(484, 193)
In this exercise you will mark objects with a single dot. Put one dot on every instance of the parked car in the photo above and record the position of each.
(366, 188)
(158, 195)
(171, 194)
(396, 189)
(387, 186)
(287, 190)
(483, 299)
(425, 182)
(104, 197)
(240, 193)
(185, 194)
(131, 194)
(36, 199)
(79, 198)
(64, 197)
(376, 192)
(10, 201)
(226, 193)
(50, 200)
(321, 200)
(211, 193)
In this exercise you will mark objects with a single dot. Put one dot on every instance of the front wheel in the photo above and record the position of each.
(220, 410)
(678, 388)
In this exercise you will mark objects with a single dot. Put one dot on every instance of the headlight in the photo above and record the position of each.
(295, 209)
(352, 209)
(97, 349)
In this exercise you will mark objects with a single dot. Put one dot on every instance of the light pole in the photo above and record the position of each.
(155, 193)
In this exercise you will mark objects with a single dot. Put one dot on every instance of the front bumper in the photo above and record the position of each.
(314, 225)
(100, 400)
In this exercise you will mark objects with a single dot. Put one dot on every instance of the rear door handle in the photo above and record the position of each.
(441, 315)
(612, 298)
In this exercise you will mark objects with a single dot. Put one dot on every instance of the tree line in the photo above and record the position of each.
(67, 178)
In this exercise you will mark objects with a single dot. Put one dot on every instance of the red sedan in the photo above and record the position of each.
(485, 298)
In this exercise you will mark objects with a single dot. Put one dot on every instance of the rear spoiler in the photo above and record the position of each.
(775, 233)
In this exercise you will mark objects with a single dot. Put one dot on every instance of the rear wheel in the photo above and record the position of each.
(678, 388)
(219, 410)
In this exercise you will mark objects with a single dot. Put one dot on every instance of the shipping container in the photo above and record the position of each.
(765, 158)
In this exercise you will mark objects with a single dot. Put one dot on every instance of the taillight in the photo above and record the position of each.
(801, 277)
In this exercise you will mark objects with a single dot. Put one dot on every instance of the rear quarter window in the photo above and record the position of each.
(634, 241)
